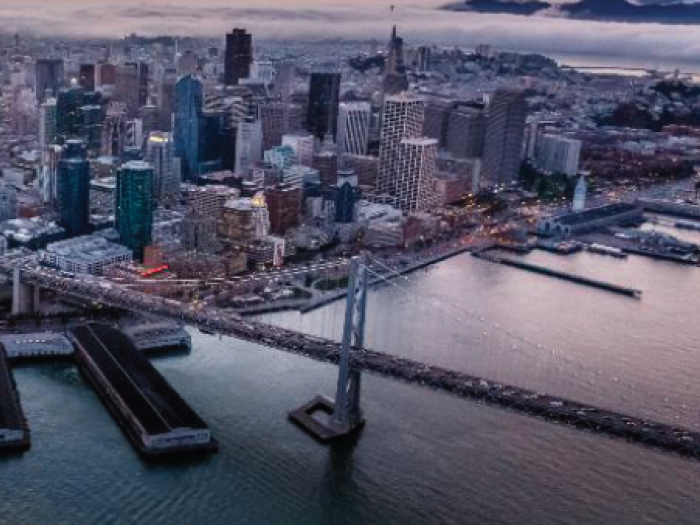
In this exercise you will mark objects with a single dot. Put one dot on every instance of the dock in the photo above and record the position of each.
(577, 279)
(14, 430)
(154, 417)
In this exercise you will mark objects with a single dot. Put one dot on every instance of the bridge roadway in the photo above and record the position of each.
(655, 434)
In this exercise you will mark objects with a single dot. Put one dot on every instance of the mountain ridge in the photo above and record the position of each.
(598, 10)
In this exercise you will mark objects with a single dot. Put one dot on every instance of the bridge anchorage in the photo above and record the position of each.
(325, 419)
(26, 298)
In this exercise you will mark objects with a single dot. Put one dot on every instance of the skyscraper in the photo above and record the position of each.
(505, 133)
(50, 76)
(239, 56)
(68, 111)
(87, 77)
(415, 180)
(279, 119)
(47, 124)
(395, 77)
(114, 130)
(324, 100)
(160, 154)
(189, 100)
(132, 86)
(402, 119)
(466, 132)
(303, 145)
(354, 120)
(134, 206)
(166, 98)
(74, 189)
(248, 145)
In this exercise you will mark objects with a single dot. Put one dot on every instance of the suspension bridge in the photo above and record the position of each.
(346, 347)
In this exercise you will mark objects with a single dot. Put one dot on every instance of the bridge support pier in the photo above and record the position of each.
(25, 297)
(322, 417)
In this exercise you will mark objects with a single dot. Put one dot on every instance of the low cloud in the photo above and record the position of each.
(658, 45)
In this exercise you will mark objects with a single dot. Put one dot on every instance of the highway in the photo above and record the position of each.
(100, 291)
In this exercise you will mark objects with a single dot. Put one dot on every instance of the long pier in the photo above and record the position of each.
(655, 434)
(565, 276)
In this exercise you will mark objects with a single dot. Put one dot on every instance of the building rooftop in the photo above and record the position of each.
(88, 248)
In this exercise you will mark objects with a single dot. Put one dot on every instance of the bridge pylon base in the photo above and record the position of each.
(316, 418)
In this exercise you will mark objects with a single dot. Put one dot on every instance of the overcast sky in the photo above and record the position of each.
(658, 45)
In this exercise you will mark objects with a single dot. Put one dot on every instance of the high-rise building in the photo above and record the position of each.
(74, 189)
(92, 128)
(49, 76)
(187, 63)
(69, 117)
(505, 133)
(134, 206)
(279, 119)
(132, 86)
(106, 74)
(114, 130)
(285, 77)
(239, 56)
(437, 119)
(395, 77)
(354, 121)
(466, 132)
(189, 120)
(160, 154)
(324, 100)
(416, 174)
(248, 145)
(48, 177)
(284, 206)
(166, 98)
(303, 145)
(47, 124)
(87, 77)
(557, 154)
(402, 119)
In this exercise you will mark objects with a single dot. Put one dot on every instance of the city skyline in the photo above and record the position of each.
(578, 41)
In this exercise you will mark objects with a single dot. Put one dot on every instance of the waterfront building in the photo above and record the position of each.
(324, 100)
(556, 154)
(134, 206)
(505, 133)
(87, 254)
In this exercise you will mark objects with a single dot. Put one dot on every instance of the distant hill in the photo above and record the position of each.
(603, 10)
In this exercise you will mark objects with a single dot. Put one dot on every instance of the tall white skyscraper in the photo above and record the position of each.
(415, 183)
(48, 177)
(47, 125)
(160, 153)
(402, 119)
(353, 128)
(248, 145)
(303, 145)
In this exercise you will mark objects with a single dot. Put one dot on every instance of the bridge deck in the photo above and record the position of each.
(655, 434)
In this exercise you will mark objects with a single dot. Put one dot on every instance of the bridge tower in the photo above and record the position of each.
(25, 297)
(328, 419)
